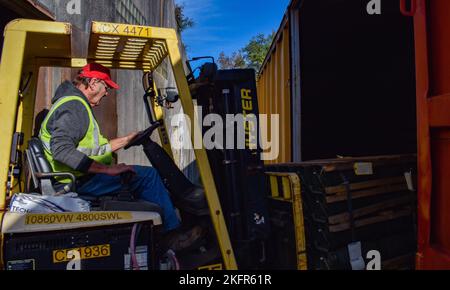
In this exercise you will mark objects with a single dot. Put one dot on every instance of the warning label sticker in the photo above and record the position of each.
(140, 262)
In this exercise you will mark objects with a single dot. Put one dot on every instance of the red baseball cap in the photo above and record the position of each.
(95, 70)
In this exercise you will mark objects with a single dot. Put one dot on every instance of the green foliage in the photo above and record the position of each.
(236, 60)
(251, 56)
(183, 22)
(256, 50)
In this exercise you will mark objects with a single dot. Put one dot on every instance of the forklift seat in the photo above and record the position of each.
(41, 171)
(44, 179)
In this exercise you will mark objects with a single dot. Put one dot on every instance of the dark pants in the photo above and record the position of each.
(147, 184)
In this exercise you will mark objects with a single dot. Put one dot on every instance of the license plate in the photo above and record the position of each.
(84, 253)
(122, 29)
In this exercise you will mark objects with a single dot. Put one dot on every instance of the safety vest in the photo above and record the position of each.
(93, 144)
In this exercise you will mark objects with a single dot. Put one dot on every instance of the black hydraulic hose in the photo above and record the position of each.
(233, 192)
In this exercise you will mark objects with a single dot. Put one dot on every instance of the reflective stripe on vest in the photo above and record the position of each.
(97, 151)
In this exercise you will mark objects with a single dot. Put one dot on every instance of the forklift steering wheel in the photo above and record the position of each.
(143, 136)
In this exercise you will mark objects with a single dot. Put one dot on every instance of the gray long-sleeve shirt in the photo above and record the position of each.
(67, 126)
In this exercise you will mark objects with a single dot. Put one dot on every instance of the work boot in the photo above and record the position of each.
(179, 241)
(193, 201)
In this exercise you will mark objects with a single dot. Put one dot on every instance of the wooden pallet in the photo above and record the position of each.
(366, 189)
(405, 262)
(382, 216)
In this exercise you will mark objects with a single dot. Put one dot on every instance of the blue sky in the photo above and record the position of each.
(228, 25)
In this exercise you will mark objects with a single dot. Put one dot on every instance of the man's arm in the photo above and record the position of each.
(120, 143)
(115, 170)
(68, 126)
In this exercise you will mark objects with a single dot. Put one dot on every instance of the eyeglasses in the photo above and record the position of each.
(107, 88)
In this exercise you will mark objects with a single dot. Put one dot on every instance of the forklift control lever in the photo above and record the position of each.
(143, 136)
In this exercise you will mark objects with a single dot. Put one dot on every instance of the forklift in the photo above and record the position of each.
(123, 233)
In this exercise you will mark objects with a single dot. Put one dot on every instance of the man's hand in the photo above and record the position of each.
(117, 170)
(131, 137)
(120, 143)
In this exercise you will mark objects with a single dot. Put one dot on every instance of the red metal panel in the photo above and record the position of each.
(433, 258)
(440, 199)
(432, 27)
(438, 111)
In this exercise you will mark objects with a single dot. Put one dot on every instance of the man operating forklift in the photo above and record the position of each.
(73, 143)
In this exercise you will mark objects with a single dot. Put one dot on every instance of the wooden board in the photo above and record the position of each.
(389, 188)
(405, 262)
(380, 217)
(365, 184)
(345, 217)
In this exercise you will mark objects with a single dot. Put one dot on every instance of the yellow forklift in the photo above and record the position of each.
(102, 239)
(125, 234)
(322, 214)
